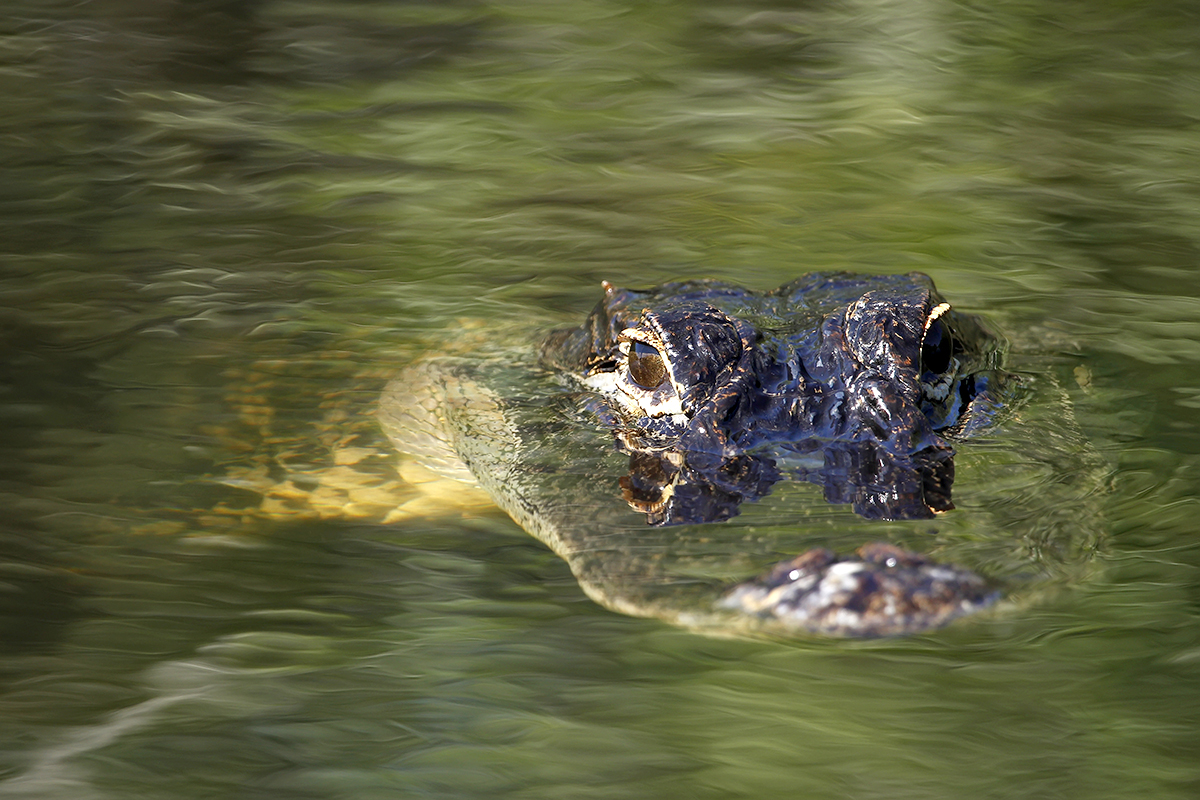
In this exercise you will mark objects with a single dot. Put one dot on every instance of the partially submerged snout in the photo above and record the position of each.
(882, 591)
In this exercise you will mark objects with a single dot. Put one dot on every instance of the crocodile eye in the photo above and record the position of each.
(646, 367)
(937, 348)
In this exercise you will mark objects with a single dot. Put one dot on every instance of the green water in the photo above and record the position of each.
(225, 225)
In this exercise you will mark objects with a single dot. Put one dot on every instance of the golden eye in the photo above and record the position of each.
(646, 366)
(937, 348)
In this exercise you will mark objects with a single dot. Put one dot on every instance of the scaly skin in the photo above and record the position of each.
(717, 395)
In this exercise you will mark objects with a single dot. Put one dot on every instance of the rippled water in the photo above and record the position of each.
(226, 225)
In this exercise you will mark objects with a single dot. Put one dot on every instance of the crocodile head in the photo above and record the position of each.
(856, 383)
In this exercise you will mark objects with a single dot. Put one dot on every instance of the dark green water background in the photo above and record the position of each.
(196, 195)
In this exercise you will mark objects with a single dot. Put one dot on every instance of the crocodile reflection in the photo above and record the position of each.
(855, 383)
(677, 487)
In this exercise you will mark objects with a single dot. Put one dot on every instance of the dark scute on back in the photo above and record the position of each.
(594, 343)
(884, 342)
(701, 346)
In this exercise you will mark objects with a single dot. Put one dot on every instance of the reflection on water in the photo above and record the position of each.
(226, 225)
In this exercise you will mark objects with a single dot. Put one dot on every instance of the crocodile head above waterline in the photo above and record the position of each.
(718, 395)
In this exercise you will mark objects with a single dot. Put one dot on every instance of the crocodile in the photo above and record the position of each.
(621, 441)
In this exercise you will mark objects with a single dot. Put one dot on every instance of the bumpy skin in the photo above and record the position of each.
(856, 383)
(827, 366)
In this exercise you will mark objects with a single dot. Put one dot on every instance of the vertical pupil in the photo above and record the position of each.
(936, 349)
(646, 367)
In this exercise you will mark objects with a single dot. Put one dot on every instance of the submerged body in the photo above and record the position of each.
(716, 396)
